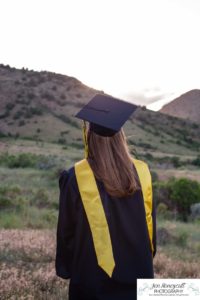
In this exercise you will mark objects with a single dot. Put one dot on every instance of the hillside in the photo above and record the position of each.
(40, 106)
(187, 106)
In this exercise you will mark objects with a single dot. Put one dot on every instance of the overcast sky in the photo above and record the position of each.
(139, 50)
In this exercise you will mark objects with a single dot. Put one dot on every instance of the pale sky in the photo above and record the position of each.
(140, 50)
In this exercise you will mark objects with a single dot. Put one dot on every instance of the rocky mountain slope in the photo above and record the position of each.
(187, 106)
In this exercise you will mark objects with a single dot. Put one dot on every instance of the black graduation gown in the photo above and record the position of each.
(75, 255)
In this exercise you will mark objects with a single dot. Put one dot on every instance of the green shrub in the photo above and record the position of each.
(196, 161)
(40, 218)
(76, 145)
(11, 198)
(182, 239)
(162, 208)
(183, 193)
(149, 156)
(62, 141)
(161, 193)
(36, 111)
(64, 147)
(55, 205)
(50, 216)
(176, 161)
(147, 146)
(10, 220)
(40, 199)
(178, 195)
(27, 160)
(68, 120)
(163, 211)
(64, 132)
(5, 202)
(12, 190)
(31, 111)
(23, 160)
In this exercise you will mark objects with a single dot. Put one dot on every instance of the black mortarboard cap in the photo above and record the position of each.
(106, 114)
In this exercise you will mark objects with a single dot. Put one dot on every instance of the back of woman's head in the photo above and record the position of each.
(111, 163)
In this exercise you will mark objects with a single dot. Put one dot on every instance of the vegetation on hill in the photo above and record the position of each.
(41, 105)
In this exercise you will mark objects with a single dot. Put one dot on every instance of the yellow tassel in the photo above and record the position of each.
(85, 139)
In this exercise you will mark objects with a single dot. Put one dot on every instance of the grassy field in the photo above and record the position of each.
(28, 217)
(27, 259)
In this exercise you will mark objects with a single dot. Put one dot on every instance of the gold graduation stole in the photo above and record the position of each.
(95, 212)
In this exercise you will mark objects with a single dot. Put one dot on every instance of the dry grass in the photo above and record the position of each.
(166, 267)
(27, 266)
(164, 174)
(27, 260)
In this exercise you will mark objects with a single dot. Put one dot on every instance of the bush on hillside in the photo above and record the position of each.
(161, 194)
(196, 161)
(176, 161)
(23, 160)
(177, 195)
(163, 211)
(183, 193)
(62, 141)
(10, 197)
(182, 239)
(40, 199)
(36, 111)
(68, 120)
(27, 160)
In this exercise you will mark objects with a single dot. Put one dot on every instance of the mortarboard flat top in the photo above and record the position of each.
(106, 114)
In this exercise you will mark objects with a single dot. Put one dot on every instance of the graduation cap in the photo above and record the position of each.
(106, 114)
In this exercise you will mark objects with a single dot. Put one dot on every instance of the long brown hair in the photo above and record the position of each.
(111, 163)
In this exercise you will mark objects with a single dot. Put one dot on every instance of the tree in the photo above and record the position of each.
(184, 192)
